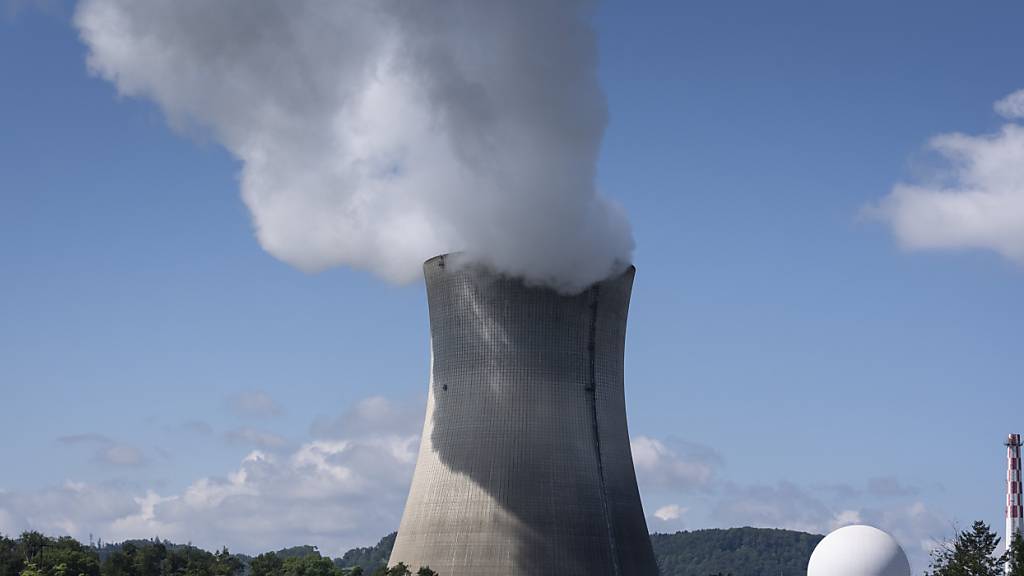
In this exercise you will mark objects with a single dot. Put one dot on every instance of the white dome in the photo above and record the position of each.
(858, 551)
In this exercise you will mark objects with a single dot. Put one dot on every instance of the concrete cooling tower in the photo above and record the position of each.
(525, 467)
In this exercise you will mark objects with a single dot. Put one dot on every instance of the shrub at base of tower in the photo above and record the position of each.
(401, 569)
(1015, 557)
(971, 553)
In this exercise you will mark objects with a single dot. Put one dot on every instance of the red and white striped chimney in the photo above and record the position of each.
(1014, 509)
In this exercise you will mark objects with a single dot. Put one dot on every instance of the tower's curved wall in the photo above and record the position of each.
(525, 467)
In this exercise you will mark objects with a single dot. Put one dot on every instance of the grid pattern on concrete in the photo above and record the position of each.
(525, 466)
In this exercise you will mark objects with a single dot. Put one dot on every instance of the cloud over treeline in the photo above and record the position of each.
(333, 491)
(378, 133)
(684, 485)
(345, 485)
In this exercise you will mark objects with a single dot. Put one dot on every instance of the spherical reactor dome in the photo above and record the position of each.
(858, 551)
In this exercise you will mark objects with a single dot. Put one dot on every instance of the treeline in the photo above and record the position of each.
(731, 552)
(973, 552)
(734, 552)
(369, 558)
(34, 554)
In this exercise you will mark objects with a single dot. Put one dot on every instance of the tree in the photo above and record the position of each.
(33, 543)
(1015, 556)
(735, 551)
(370, 559)
(32, 570)
(970, 554)
(68, 557)
(11, 562)
(425, 571)
(399, 569)
(119, 563)
(268, 564)
(176, 562)
(226, 564)
(312, 565)
(148, 559)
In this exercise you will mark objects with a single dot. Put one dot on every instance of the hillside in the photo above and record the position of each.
(735, 551)
(369, 558)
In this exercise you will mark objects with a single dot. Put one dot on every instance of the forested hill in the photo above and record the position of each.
(734, 551)
(369, 558)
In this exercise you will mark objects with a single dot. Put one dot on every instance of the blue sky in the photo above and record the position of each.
(790, 362)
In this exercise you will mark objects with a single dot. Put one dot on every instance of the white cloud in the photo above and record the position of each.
(7, 524)
(378, 134)
(252, 437)
(347, 485)
(685, 480)
(373, 414)
(979, 205)
(679, 466)
(200, 427)
(669, 513)
(106, 450)
(889, 486)
(334, 493)
(791, 506)
(915, 525)
(1012, 106)
(122, 455)
(845, 518)
(254, 403)
(141, 521)
(785, 505)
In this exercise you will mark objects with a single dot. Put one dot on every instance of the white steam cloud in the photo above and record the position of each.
(378, 133)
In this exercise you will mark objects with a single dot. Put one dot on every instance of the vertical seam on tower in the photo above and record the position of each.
(592, 395)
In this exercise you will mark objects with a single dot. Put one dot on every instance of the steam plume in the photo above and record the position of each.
(378, 133)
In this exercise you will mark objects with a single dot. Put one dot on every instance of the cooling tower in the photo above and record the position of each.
(525, 467)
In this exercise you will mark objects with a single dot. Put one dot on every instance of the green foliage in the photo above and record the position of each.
(1015, 556)
(371, 558)
(971, 553)
(11, 563)
(268, 564)
(31, 570)
(399, 569)
(310, 566)
(34, 554)
(226, 564)
(156, 558)
(67, 557)
(734, 552)
(297, 552)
